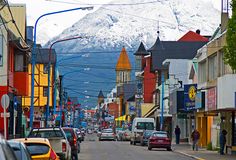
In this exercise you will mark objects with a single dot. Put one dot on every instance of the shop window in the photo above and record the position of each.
(202, 72)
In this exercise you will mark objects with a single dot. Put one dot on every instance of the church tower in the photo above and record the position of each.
(123, 68)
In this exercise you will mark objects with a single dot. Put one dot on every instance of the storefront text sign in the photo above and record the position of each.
(211, 99)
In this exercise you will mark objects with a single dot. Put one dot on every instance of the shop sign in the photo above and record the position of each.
(189, 96)
(211, 99)
(198, 100)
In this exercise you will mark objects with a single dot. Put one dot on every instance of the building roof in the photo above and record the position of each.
(193, 37)
(100, 95)
(42, 56)
(123, 62)
(129, 90)
(141, 50)
(163, 50)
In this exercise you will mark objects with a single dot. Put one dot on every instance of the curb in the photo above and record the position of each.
(188, 155)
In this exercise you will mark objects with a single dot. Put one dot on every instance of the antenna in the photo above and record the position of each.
(158, 29)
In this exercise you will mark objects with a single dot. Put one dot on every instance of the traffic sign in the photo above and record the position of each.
(5, 101)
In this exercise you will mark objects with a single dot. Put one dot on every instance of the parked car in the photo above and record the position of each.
(57, 139)
(39, 148)
(6, 151)
(159, 139)
(107, 134)
(74, 142)
(20, 150)
(145, 137)
(138, 126)
(126, 135)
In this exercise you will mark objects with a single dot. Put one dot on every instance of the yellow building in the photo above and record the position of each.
(41, 85)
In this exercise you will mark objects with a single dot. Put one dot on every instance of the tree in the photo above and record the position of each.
(230, 48)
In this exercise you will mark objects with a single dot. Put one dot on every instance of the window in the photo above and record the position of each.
(145, 125)
(37, 148)
(45, 68)
(45, 91)
(202, 72)
(138, 63)
(222, 64)
(212, 67)
(19, 62)
(1, 50)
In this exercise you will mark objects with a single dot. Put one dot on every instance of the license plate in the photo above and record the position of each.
(160, 141)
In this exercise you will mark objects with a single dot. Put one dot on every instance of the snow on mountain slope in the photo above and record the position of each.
(114, 26)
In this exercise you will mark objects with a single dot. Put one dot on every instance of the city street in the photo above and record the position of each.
(92, 149)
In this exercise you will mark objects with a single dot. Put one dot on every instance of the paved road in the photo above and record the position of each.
(91, 149)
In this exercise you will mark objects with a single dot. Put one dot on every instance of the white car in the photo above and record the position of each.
(107, 134)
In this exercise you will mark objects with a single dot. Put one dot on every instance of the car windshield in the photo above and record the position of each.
(145, 125)
(37, 148)
(148, 133)
(46, 133)
(160, 134)
(107, 131)
(16, 148)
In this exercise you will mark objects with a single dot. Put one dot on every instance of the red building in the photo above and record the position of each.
(113, 109)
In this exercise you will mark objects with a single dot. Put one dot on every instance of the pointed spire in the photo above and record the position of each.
(100, 95)
(157, 45)
(123, 62)
(141, 50)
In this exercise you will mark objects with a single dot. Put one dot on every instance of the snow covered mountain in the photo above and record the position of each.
(113, 26)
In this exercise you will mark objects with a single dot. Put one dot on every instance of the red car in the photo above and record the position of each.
(159, 139)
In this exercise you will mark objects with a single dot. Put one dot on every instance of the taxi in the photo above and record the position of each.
(39, 148)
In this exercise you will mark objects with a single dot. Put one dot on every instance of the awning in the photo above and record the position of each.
(146, 107)
(123, 118)
(151, 112)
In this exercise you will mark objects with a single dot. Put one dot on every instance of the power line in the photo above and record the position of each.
(104, 4)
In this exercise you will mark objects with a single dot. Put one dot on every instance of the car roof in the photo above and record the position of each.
(160, 132)
(49, 128)
(34, 140)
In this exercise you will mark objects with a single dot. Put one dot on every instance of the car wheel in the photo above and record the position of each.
(169, 149)
(134, 143)
(131, 142)
(149, 148)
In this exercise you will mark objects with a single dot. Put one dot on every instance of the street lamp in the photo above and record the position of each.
(60, 92)
(49, 76)
(34, 56)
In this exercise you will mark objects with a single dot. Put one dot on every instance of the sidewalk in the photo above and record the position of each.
(201, 154)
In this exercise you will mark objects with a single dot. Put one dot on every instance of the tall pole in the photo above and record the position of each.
(34, 56)
(49, 76)
(162, 98)
(60, 96)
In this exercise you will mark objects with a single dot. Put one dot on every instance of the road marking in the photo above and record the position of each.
(188, 155)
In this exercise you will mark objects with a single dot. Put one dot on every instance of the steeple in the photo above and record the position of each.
(123, 62)
(123, 68)
(141, 50)
(100, 98)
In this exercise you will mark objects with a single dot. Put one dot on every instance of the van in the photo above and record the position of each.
(138, 126)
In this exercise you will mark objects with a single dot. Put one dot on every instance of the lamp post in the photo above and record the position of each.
(60, 92)
(55, 75)
(34, 56)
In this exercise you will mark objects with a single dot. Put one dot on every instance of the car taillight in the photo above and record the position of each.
(167, 139)
(126, 134)
(63, 147)
(53, 155)
(74, 141)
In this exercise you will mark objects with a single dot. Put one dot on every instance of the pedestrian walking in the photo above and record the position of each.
(222, 141)
(195, 138)
(177, 134)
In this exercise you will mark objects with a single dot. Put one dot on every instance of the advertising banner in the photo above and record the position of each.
(190, 91)
(211, 99)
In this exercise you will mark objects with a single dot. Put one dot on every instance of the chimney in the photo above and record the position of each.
(29, 33)
(198, 31)
(224, 14)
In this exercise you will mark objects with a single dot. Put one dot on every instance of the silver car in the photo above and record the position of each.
(107, 134)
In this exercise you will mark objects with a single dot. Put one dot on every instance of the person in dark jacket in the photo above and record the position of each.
(195, 138)
(177, 134)
(222, 141)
